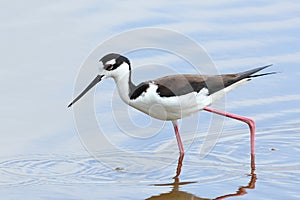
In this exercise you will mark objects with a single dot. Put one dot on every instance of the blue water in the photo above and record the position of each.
(45, 154)
(226, 170)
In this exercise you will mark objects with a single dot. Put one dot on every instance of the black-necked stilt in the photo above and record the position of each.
(175, 96)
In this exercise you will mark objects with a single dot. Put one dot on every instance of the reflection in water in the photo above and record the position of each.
(251, 185)
(179, 165)
(176, 193)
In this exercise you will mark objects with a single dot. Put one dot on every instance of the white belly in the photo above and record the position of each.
(170, 108)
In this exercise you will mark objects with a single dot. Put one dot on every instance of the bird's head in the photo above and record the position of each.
(112, 65)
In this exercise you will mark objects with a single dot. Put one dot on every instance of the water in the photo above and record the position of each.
(225, 172)
(42, 156)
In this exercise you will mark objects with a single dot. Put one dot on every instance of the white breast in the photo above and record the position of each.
(170, 108)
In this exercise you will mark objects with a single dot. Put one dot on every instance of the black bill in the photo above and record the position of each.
(92, 84)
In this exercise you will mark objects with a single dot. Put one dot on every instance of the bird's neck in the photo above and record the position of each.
(125, 86)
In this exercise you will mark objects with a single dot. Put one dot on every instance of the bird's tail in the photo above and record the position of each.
(251, 73)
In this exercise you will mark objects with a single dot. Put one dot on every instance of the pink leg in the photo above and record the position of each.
(179, 142)
(249, 121)
(179, 165)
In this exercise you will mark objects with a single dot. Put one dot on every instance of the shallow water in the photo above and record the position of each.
(225, 172)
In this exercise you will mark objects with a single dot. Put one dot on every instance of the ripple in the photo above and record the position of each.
(228, 160)
(54, 168)
(8, 179)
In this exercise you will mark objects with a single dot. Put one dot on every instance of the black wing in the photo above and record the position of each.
(177, 85)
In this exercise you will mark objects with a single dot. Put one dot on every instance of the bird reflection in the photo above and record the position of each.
(251, 185)
(177, 194)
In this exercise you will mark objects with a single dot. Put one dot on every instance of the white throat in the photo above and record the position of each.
(122, 77)
(122, 83)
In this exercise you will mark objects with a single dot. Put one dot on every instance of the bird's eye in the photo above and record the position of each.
(108, 67)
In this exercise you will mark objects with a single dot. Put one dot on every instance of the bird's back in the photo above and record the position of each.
(181, 84)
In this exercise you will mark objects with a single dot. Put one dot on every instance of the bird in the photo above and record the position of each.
(173, 97)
